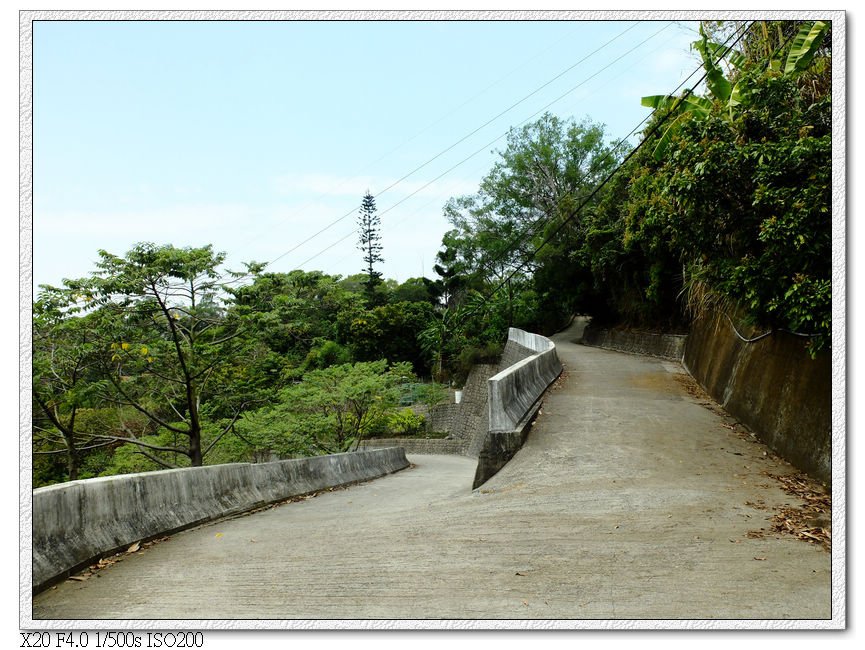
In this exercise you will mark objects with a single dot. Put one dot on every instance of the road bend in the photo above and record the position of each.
(632, 499)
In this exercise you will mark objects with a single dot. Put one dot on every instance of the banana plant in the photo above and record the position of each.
(805, 45)
(808, 40)
(682, 108)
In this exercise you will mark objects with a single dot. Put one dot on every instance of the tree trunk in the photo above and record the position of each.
(72, 463)
(195, 456)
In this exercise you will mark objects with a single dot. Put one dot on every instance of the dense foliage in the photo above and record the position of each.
(731, 208)
(160, 359)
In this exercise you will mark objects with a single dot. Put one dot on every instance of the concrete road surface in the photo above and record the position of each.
(630, 500)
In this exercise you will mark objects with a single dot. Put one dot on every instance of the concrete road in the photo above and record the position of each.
(630, 500)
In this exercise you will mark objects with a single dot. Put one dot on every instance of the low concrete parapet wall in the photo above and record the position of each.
(666, 346)
(514, 398)
(500, 446)
(514, 390)
(75, 523)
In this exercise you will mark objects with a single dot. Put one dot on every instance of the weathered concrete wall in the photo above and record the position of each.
(666, 346)
(514, 390)
(514, 352)
(514, 398)
(500, 446)
(75, 523)
(772, 386)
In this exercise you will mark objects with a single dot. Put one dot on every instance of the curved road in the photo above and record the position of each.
(630, 500)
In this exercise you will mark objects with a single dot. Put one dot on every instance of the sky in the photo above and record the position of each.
(257, 136)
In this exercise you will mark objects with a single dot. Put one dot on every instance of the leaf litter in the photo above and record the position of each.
(105, 562)
(810, 522)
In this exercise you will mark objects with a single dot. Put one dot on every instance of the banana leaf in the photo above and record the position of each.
(805, 46)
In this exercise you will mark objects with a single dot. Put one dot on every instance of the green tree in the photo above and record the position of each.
(388, 332)
(330, 411)
(65, 383)
(733, 90)
(415, 290)
(521, 232)
(370, 244)
(159, 339)
(733, 208)
(285, 316)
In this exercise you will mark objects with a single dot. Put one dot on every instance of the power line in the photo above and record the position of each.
(405, 142)
(531, 230)
(508, 109)
(483, 148)
(461, 140)
(472, 98)
(623, 140)
(588, 198)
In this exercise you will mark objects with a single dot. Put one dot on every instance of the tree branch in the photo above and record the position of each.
(138, 407)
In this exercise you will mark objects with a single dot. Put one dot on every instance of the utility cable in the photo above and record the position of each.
(461, 140)
(530, 230)
(422, 131)
(472, 155)
(603, 183)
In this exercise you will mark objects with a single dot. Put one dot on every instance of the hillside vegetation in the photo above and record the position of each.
(161, 358)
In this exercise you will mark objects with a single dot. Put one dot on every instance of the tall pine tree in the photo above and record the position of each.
(370, 244)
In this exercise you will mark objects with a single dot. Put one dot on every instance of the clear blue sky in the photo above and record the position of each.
(252, 136)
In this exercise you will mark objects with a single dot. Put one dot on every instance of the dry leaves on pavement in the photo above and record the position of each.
(811, 522)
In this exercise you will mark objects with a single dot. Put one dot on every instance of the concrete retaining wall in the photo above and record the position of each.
(514, 398)
(77, 522)
(772, 386)
(666, 346)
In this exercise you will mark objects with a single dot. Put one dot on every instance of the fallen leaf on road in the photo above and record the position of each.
(759, 558)
(519, 574)
(134, 547)
(218, 535)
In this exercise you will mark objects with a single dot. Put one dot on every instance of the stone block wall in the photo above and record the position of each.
(653, 344)
(443, 417)
(471, 421)
(417, 445)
